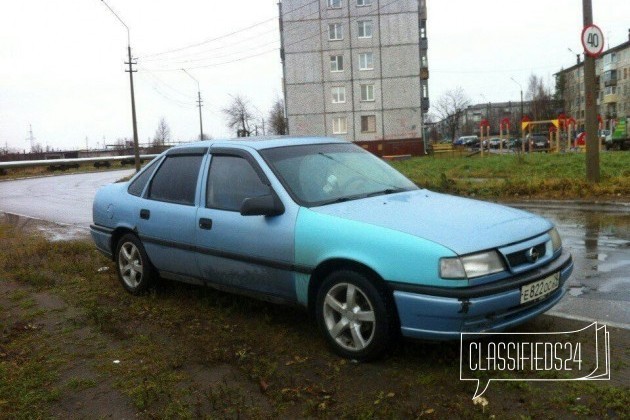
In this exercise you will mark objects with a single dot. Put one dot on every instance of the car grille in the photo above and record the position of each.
(519, 258)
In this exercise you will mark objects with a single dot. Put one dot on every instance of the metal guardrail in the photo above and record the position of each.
(69, 163)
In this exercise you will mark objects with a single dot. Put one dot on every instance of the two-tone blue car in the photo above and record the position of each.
(322, 223)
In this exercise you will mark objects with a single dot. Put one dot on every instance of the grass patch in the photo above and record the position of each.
(536, 175)
(185, 351)
(37, 171)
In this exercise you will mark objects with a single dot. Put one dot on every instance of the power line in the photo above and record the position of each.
(225, 35)
(224, 46)
(313, 35)
(163, 83)
(253, 48)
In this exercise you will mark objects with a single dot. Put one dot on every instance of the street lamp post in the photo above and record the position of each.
(521, 88)
(199, 103)
(521, 121)
(131, 71)
(579, 89)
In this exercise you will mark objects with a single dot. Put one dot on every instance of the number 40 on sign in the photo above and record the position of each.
(593, 41)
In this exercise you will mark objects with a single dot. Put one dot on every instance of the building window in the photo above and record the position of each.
(368, 123)
(366, 61)
(365, 29)
(338, 95)
(340, 125)
(424, 62)
(364, 2)
(335, 32)
(425, 91)
(336, 63)
(367, 93)
(334, 4)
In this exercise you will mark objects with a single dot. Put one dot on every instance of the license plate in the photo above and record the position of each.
(540, 288)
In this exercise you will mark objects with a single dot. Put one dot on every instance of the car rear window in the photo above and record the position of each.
(176, 179)
(137, 185)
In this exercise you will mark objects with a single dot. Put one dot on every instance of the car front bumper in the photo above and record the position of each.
(444, 313)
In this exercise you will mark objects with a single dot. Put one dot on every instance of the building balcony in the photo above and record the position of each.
(425, 104)
(610, 99)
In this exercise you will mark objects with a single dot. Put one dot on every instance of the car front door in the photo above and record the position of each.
(243, 253)
(167, 215)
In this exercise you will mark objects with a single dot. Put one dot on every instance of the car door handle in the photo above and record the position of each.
(145, 214)
(205, 223)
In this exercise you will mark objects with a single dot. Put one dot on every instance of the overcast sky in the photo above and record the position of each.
(62, 61)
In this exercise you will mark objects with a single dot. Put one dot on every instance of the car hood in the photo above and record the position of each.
(460, 224)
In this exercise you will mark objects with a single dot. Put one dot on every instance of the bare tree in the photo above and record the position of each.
(542, 106)
(277, 120)
(239, 115)
(449, 109)
(162, 134)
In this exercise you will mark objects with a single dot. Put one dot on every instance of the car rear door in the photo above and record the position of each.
(167, 215)
(243, 253)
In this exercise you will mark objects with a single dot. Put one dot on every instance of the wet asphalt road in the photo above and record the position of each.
(63, 199)
(597, 236)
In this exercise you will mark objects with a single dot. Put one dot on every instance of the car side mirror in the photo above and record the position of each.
(264, 205)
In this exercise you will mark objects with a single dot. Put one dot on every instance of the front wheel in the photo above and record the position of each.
(355, 316)
(135, 271)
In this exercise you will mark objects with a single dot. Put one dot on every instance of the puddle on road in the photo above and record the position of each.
(600, 244)
(576, 291)
(51, 231)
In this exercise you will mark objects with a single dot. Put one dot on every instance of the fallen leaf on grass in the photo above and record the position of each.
(263, 385)
(481, 401)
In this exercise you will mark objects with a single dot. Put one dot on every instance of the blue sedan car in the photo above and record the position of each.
(321, 223)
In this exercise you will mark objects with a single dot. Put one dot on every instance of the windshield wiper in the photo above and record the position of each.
(386, 192)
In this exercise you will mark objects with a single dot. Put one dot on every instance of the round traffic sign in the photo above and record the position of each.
(592, 41)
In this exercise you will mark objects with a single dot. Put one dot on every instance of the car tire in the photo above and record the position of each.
(356, 315)
(135, 271)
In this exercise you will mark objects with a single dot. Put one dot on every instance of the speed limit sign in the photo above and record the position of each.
(593, 41)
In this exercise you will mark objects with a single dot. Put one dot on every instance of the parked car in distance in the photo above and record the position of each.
(495, 143)
(515, 144)
(537, 142)
(323, 224)
(467, 140)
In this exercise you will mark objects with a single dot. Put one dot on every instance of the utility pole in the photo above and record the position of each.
(579, 108)
(131, 71)
(136, 147)
(592, 139)
(31, 138)
(199, 102)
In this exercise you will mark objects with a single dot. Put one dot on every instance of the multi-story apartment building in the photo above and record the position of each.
(357, 69)
(612, 71)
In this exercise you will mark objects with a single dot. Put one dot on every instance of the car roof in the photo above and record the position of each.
(266, 142)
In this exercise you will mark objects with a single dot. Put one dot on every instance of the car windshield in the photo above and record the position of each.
(322, 174)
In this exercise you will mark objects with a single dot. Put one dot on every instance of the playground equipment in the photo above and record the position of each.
(485, 134)
(505, 122)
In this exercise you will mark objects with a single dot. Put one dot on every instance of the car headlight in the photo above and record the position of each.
(556, 242)
(471, 266)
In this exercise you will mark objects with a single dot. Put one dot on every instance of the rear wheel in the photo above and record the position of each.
(355, 316)
(135, 271)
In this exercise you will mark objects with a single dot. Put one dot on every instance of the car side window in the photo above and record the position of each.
(231, 180)
(176, 179)
(138, 184)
